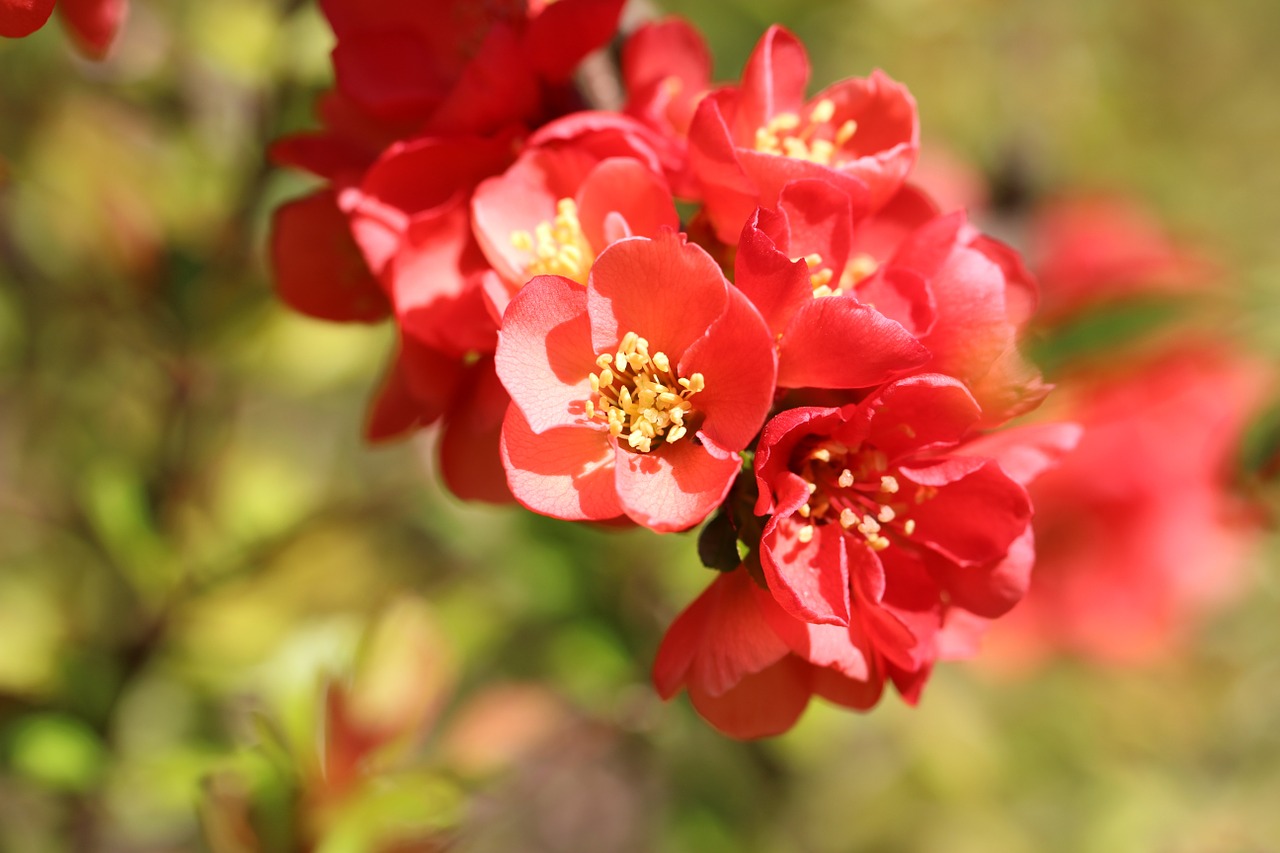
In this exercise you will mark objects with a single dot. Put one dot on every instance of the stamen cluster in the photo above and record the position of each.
(814, 140)
(639, 396)
(849, 488)
(557, 247)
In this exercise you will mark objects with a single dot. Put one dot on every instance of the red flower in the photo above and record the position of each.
(751, 668)
(784, 266)
(632, 396)
(562, 202)
(878, 508)
(747, 143)
(93, 24)
(1138, 533)
(1090, 251)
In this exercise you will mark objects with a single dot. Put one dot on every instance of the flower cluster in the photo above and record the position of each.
(92, 24)
(808, 350)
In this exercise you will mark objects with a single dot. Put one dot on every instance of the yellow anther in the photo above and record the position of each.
(846, 132)
(648, 404)
(909, 526)
(885, 515)
(889, 484)
(813, 261)
(877, 543)
(783, 121)
(813, 487)
(558, 247)
(859, 268)
(823, 111)
(848, 518)
(805, 534)
(869, 525)
(846, 478)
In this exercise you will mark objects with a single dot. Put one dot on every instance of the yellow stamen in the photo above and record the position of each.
(846, 478)
(558, 247)
(805, 534)
(649, 403)
(889, 484)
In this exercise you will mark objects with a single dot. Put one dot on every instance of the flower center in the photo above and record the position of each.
(639, 396)
(858, 269)
(853, 488)
(557, 247)
(813, 139)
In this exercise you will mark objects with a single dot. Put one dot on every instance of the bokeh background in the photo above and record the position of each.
(194, 542)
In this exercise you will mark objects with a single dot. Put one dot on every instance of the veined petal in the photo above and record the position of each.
(565, 472)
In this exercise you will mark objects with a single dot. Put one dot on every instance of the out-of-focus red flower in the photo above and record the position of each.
(1091, 250)
(747, 142)
(827, 337)
(751, 668)
(1137, 531)
(634, 395)
(93, 24)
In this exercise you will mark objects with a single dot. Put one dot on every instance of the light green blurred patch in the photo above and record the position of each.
(32, 632)
(239, 37)
(58, 751)
(399, 808)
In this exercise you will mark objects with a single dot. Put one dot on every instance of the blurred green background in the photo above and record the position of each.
(193, 538)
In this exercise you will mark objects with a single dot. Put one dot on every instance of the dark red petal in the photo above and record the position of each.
(387, 73)
(676, 485)
(20, 18)
(737, 362)
(918, 412)
(495, 89)
(566, 472)
(470, 461)
(93, 23)
(418, 387)
(902, 295)
(763, 704)
(565, 32)
(838, 342)
(318, 268)
(544, 355)
(718, 640)
(835, 686)
(665, 290)
(809, 580)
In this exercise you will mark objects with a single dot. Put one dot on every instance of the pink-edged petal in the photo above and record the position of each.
(1024, 453)
(718, 640)
(989, 592)
(819, 220)
(920, 412)
(627, 187)
(902, 295)
(778, 441)
(973, 521)
(809, 580)
(763, 704)
(773, 82)
(93, 24)
(838, 342)
(470, 460)
(676, 485)
(544, 355)
(566, 472)
(317, 266)
(737, 362)
(665, 290)
(776, 285)
(19, 18)
(503, 206)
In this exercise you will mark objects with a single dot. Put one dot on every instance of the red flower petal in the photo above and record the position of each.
(627, 187)
(93, 23)
(838, 342)
(566, 472)
(920, 412)
(989, 592)
(810, 580)
(317, 266)
(664, 290)
(544, 355)
(20, 18)
(737, 361)
(826, 645)
(973, 520)
(674, 486)
(470, 461)
(773, 82)
(1026, 452)
(565, 32)
(764, 704)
